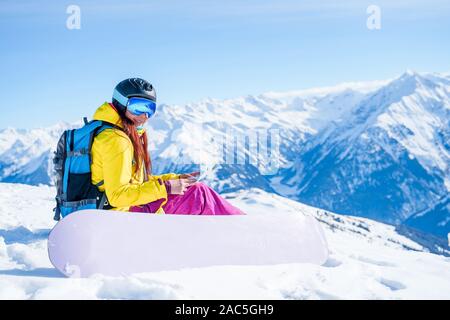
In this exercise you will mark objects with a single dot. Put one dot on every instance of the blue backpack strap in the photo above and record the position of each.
(72, 139)
(69, 148)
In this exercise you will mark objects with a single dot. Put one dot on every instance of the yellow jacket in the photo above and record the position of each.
(112, 162)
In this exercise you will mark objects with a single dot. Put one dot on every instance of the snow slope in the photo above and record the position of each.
(369, 260)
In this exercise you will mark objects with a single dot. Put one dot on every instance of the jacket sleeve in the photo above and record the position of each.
(167, 176)
(117, 173)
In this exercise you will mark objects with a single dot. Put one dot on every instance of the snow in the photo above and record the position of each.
(368, 260)
(363, 87)
(428, 105)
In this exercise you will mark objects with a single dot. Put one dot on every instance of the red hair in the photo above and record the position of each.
(140, 144)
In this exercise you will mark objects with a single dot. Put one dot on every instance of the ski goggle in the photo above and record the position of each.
(139, 106)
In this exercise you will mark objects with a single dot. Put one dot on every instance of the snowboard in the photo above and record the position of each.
(115, 243)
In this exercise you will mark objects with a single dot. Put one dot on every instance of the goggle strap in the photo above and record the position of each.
(120, 97)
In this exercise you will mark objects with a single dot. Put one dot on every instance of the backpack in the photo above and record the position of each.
(72, 165)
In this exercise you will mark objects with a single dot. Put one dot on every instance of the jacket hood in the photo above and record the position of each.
(107, 113)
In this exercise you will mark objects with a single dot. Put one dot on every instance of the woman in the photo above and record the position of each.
(120, 159)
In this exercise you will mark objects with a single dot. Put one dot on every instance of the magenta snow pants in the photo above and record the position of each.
(197, 199)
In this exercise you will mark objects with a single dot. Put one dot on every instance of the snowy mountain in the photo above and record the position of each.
(368, 260)
(378, 149)
(389, 158)
(26, 155)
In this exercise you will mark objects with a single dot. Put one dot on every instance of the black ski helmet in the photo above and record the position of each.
(132, 87)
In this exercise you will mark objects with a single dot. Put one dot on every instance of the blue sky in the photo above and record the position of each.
(191, 50)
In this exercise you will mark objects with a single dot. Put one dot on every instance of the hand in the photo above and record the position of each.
(179, 186)
(193, 176)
